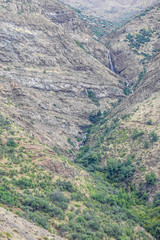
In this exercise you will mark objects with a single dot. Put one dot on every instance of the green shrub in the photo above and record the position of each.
(149, 122)
(113, 230)
(143, 235)
(118, 171)
(77, 196)
(81, 219)
(100, 197)
(92, 96)
(124, 116)
(127, 91)
(58, 196)
(137, 134)
(39, 218)
(8, 198)
(8, 235)
(4, 123)
(140, 77)
(11, 143)
(56, 211)
(90, 159)
(65, 185)
(37, 203)
(70, 142)
(151, 178)
(94, 225)
(146, 144)
(64, 228)
(95, 117)
(59, 199)
(24, 183)
(142, 168)
(71, 215)
(154, 137)
(156, 200)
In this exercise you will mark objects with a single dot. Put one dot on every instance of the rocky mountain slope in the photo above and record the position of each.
(57, 95)
(132, 129)
(143, 109)
(135, 44)
(49, 77)
(122, 146)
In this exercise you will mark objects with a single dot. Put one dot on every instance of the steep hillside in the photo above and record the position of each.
(143, 112)
(112, 9)
(134, 45)
(79, 160)
(47, 189)
(48, 77)
(122, 145)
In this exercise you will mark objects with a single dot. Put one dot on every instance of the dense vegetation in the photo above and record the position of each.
(110, 147)
(107, 210)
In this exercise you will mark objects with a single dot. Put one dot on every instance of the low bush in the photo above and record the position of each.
(137, 134)
(95, 117)
(118, 171)
(59, 199)
(65, 185)
(93, 97)
(24, 183)
(39, 218)
(153, 137)
(8, 198)
(149, 122)
(146, 144)
(151, 178)
(36, 203)
(11, 143)
(156, 200)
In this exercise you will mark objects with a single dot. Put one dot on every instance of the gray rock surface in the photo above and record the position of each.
(45, 71)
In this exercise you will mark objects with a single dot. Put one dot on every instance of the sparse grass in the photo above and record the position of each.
(8, 235)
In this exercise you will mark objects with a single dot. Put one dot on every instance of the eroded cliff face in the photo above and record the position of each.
(46, 71)
(135, 44)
